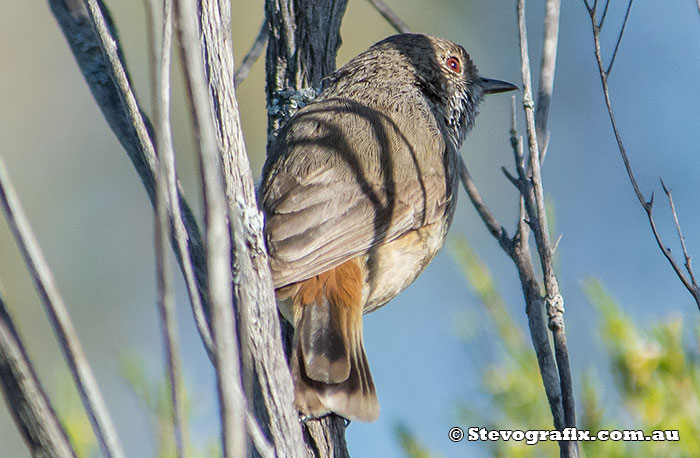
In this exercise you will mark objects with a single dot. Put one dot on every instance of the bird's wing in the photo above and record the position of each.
(343, 178)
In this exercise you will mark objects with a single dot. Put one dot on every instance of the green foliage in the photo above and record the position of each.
(656, 379)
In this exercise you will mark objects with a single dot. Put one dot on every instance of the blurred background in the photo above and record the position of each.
(436, 355)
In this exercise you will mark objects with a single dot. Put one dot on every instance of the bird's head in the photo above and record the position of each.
(441, 69)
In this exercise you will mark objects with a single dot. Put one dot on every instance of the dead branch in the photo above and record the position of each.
(60, 319)
(687, 277)
(26, 399)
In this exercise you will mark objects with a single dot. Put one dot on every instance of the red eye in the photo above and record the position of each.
(453, 64)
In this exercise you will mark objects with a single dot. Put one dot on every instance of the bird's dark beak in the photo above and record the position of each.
(495, 86)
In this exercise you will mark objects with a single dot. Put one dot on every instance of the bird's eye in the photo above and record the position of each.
(453, 64)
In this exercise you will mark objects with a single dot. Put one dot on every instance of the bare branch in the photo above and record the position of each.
(688, 265)
(261, 343)
(556, 244)
(647, 206)
(482, 209)
(511, 178)
(111, 52)
(519, 251)
(26, 399)
(327, 436)
(100, 70)
(226, 352)
(160, 92)
(537, 214)
(303, 44)
(619, 37)
(392, 18)
(516, 142)
(252, 56)
(618, 137)
(60, 319)
(605, 13)
(695, 292)
(101, 64)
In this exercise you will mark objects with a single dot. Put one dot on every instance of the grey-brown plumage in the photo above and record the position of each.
(359, 190)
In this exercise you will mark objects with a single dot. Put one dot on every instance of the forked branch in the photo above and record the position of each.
(686, 277)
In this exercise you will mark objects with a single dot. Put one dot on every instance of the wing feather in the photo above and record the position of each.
(342, 178)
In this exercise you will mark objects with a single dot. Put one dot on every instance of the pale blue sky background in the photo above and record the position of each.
(95, 225)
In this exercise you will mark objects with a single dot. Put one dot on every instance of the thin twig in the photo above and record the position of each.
(104, 70)
(111, 52)
(647, 206)
(688, 265)
(516, 142)
(60, 319)
(531, 289)
(619, 38)
(695, 292)
(253, 55)
(518, 250)
(482, 209)
(31, 408)
(160, 90)
(618, 137)
(605, 13)
(236, 416)
(512, 179)
(556, 244)
(538, 217)
(391, 17)
(228, 372)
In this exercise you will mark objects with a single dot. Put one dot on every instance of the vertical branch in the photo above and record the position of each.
(538, 220)
(60, 320)
(160, 90)
(302, 47)
(261, 343)
(226, 354)
(304, 40)
(26, 399)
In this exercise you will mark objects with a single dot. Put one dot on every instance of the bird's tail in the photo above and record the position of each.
(329, 365)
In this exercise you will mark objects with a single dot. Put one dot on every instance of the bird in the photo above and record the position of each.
(358, 191)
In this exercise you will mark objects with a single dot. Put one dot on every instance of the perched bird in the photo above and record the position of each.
(358, 192)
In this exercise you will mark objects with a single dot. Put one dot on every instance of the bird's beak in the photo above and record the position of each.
(495, 86)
